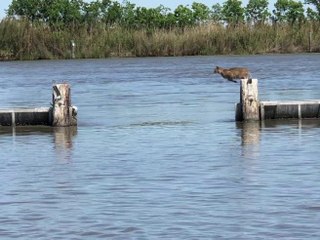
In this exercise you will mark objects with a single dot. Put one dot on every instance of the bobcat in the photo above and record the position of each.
(233, 73)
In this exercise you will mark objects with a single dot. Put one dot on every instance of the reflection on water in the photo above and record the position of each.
(63, 142)
(251, 131)
(292, 123)
(62, 136)
(250, 138)
(25, 130)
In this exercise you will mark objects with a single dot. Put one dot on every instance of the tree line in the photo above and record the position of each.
(64, 13)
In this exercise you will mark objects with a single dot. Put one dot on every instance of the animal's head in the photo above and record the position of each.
(217, 70)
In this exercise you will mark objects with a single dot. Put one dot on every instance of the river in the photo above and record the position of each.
(157, 153)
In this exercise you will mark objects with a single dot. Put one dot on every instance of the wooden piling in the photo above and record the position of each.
(73, 49)
(248, 109)
(63, 114)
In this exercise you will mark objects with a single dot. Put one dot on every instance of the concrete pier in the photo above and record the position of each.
(25, 116)
(251, 108)
(62, 114)
(289, 109)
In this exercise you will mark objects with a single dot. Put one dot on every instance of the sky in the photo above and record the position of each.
(172, 4)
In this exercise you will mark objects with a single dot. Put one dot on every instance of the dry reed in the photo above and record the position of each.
(20, 39)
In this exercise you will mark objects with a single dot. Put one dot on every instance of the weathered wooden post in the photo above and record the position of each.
(63, 114)
(248, 109)
(310, 41)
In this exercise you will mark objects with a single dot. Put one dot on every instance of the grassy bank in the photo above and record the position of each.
(20, 40)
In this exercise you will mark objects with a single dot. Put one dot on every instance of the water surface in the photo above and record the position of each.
(157, 153)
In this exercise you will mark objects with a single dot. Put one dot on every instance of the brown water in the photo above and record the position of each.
(157, 154)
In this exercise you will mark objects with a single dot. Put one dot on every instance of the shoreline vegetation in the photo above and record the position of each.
(24, 37)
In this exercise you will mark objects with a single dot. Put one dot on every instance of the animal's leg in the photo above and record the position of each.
(232, 80)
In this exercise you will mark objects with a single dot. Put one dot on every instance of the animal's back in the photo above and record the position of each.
(239, 72)
(233, 73)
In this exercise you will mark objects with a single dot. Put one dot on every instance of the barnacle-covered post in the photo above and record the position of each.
(63, 113)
